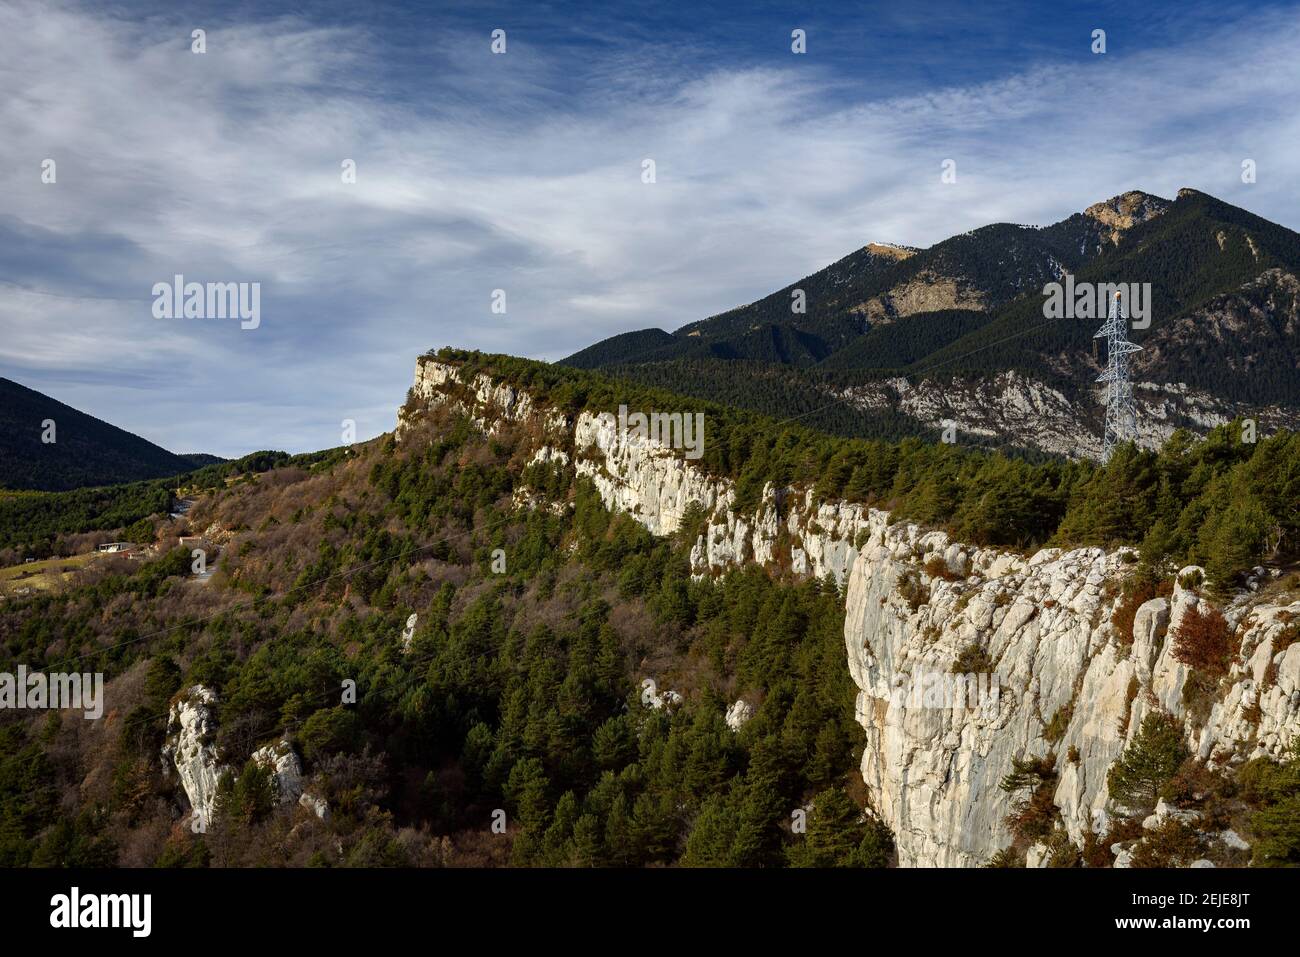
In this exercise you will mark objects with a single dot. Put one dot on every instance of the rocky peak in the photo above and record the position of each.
(891, 251)
(1121, 213)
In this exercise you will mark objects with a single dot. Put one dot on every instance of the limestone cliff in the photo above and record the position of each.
(1014, 405)
(917, 604)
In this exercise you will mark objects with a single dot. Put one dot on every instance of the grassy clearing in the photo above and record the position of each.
(42, 575)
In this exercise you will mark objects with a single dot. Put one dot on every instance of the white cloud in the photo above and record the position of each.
(499, 175)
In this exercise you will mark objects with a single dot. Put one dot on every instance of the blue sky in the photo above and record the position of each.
(522, 172)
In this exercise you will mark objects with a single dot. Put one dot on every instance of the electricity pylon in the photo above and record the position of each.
(1121, 416)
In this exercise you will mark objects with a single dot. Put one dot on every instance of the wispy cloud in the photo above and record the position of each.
(486, 172)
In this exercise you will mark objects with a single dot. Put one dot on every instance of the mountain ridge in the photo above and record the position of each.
(85, 451)
(969, 310)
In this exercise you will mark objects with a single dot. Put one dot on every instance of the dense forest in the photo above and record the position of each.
(521, 690)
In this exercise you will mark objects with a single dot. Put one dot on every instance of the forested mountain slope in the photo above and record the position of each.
(897, 341)
(77, 450)
(639, 660)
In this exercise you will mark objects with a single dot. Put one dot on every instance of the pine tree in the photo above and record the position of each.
(1148, 763)
(713, 836)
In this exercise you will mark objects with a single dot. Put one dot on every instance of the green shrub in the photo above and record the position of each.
(1059, 724)
(972, 660)
(1148, 763)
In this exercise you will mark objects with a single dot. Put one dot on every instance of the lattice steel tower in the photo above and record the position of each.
(1121, 417)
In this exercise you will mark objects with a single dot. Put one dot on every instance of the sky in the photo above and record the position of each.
(523, 171)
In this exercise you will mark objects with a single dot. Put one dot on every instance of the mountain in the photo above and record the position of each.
(644, 343)
(1093, 765)
(85, 452)
(648, 659)
(959, 331)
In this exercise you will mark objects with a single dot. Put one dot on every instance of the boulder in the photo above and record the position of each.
(738, 714)
(285, 768)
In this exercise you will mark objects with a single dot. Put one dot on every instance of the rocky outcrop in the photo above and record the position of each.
(652, 697)
(1035, 638)
(285, 768)
(1017, 407)
(926, 292)
(1121, 213)
(190, 748)
(738, 714)
(317, 805)
(408, 632)
(441, 382)
(891, 251)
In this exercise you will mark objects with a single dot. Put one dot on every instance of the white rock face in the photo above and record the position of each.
(189, 747)
(1047, 628)
(1012, 404)
(441, 382)
(408, 632)
(191, 729)
(655, 486)
(738, 714)
(285, 768)
(317, 805)
(1043, 622)
(1233, 840)
(1165, 812)
(652, 697)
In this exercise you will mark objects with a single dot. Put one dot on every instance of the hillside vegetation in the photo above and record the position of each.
(35, 524)
(522, 689)
(1221, 502)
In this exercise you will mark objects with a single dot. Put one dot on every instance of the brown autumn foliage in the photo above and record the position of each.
(1136, 593)
(1204, 641)
(1032, 819)
(936, 567)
